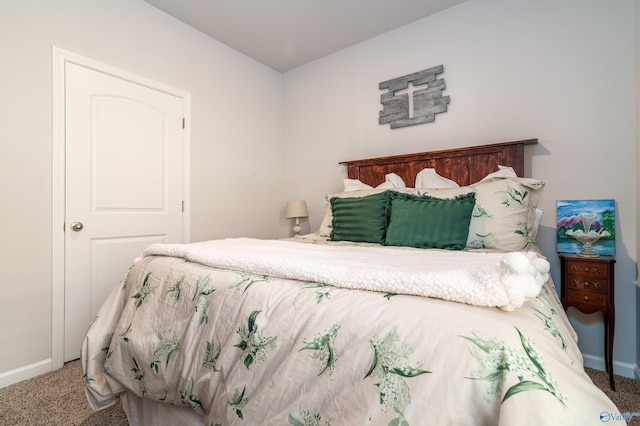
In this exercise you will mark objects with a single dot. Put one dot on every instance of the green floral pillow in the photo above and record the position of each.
(504, 216)
(429, 222)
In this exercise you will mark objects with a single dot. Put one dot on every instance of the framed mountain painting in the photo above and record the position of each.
(586, 227)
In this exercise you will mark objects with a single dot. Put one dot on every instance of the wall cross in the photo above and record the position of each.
(413, 99)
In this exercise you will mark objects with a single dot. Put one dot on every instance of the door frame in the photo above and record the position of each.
(60, 58)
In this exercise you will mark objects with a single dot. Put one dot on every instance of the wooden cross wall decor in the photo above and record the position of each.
(413, 99)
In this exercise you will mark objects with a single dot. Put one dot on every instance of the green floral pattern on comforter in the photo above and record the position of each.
(238, 348)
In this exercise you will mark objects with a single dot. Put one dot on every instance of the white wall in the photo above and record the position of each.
(236, 137)
(562, 72)
(637, 372)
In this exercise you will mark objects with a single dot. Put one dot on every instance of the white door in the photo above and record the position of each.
(123, 161)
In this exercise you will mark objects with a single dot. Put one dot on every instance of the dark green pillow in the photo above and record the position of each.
(428, 222)
(361, 219)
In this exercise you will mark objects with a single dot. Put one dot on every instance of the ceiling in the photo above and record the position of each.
(284, 34)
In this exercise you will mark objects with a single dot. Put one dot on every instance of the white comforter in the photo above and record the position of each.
(215, 346)
(504, 280)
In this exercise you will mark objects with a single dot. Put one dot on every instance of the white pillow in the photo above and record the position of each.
(392, 180)
(354, 185)
(503, 172)
(536, 223)
(428, 179)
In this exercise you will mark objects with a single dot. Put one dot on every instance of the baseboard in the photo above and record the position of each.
(25, 372)
(620, 368)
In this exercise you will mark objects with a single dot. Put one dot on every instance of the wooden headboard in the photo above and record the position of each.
(463, 165)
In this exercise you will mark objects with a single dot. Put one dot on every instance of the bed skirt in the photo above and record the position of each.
(146, 412)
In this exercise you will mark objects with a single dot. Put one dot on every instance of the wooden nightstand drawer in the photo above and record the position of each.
(588, 298)
(590, 269)
(586, 283)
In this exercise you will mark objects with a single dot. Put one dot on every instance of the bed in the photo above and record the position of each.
(377, 318)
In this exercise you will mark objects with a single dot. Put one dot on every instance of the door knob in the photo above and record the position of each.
(76, 226)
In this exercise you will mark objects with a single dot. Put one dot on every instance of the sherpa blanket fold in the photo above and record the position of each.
(505, 280)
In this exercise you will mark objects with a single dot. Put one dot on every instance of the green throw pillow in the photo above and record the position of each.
(427, 222)
(361, 219)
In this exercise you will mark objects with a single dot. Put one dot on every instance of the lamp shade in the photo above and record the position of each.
(297, 209)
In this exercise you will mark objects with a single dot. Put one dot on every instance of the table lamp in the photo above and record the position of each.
(296, 210)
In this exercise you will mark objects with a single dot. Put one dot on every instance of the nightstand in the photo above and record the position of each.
(588, 285)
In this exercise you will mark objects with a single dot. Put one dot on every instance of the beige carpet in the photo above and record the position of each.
(626, 396)
(57, 398)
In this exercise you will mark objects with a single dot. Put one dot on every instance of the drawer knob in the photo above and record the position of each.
(586, 298)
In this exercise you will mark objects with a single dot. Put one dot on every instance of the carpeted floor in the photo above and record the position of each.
(58, 399)
(626, 396)
(55, 398)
